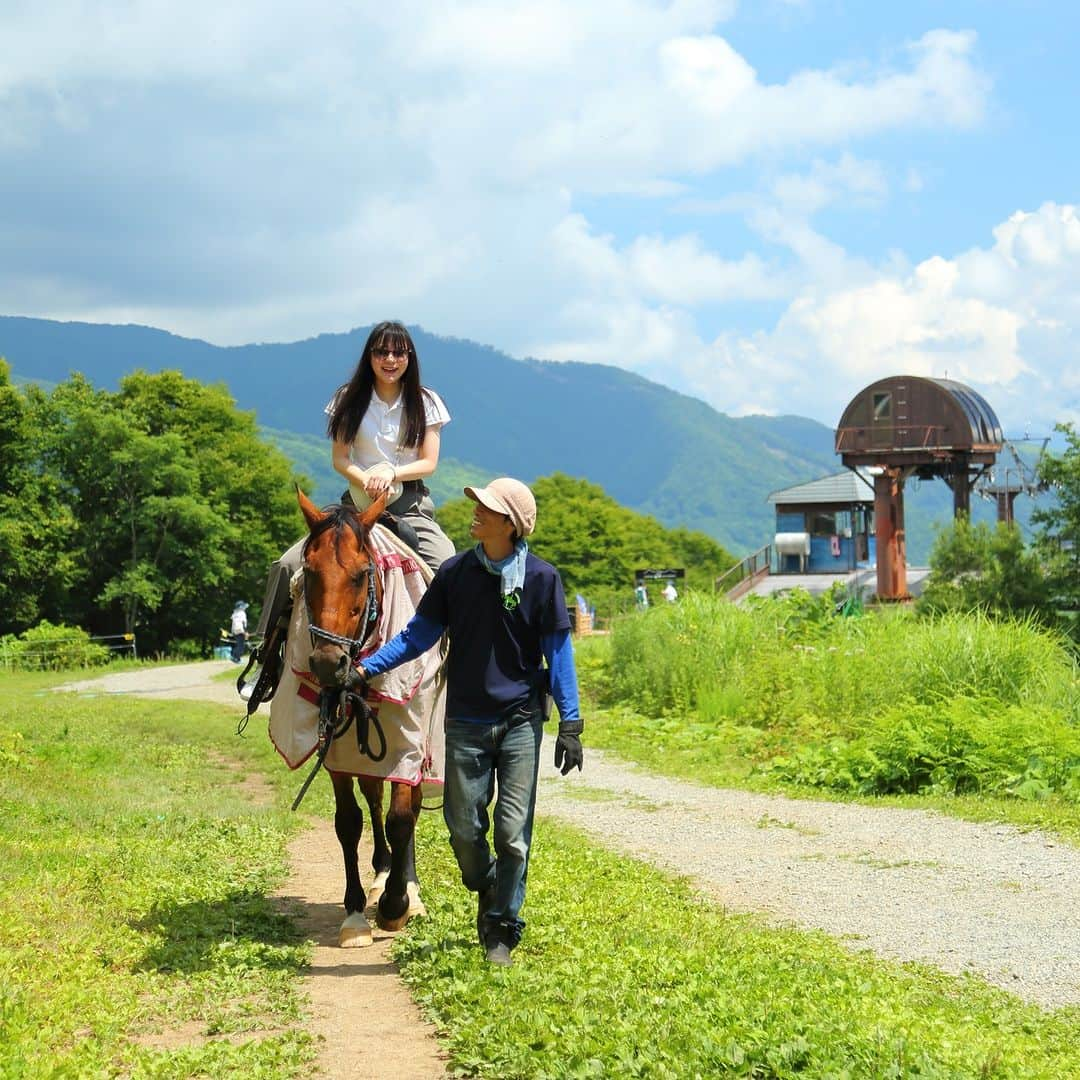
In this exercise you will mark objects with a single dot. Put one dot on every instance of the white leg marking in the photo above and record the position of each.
(378, 887)
(355, 932)
(416, 905)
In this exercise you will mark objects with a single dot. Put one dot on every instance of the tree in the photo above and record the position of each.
(597, 544)
(1059, 523)
(36, 563)
(979, 567)
(177, 506)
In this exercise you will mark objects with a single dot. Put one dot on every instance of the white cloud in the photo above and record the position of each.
(999, 318)
(245, 174)
(707, 72)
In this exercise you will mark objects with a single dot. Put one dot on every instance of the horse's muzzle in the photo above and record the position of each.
(330, 664)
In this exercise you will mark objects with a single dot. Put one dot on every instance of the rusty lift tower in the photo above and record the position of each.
(907, 425)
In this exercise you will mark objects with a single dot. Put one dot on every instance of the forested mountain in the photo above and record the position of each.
(650, 448)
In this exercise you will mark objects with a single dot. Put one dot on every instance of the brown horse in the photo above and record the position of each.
(342, 592)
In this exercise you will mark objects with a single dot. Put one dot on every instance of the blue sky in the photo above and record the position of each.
(765, 205)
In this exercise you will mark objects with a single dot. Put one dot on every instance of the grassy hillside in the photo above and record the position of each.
(650, 448)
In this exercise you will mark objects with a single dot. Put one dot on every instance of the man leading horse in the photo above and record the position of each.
(505, 614)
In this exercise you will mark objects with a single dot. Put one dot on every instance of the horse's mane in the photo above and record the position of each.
(338, 517)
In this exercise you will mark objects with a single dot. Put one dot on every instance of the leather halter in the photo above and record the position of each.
(340, 708)
(352, 645)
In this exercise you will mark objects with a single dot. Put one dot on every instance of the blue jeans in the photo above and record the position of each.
(478, 754)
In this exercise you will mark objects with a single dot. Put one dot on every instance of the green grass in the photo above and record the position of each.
(962, 714)
(137, 938)
(624, 973)
(229, 675)
(136, 933)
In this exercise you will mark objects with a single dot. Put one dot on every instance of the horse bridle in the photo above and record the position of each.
(338, 708)
(352, 645)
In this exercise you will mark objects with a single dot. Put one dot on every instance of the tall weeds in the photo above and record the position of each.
(806, 677)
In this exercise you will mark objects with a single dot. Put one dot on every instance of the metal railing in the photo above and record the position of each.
(890, 437)
(753, 566)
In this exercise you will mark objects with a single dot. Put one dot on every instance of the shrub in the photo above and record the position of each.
(47, 647)
(885, 702)
(187, 649)
(955, 747)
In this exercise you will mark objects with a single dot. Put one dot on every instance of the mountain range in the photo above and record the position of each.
(654, 450)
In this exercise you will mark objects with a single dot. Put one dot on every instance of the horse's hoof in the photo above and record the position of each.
(355, 932)
(416, 905)
(392, 912)
(378, 887)
(392, 925)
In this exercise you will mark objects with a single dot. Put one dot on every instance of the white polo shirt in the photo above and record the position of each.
(377, 436)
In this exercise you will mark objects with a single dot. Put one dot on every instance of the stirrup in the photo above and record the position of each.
(270, 658)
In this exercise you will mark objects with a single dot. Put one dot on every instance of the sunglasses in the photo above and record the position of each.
(381, 353)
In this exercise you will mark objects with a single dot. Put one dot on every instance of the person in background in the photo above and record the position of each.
(641, 597)
(505, 614)
(385, 427)
(238, 630)
(670, 593)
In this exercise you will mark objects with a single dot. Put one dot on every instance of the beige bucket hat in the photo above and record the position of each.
(510, 497)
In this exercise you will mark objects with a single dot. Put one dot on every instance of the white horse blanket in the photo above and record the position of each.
(410, 701)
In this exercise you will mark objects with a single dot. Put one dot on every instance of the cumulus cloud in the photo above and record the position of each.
(999, 318)
(228, 175)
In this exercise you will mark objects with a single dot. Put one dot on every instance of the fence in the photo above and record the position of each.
(10, 651)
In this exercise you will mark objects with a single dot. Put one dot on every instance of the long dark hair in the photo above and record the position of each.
(353, 398)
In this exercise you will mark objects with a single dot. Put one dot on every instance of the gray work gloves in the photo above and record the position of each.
(568, 752)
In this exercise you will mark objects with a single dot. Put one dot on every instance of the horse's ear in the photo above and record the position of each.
(312, 514)
(374, 511)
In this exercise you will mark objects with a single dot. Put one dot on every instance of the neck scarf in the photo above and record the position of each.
(510, 571)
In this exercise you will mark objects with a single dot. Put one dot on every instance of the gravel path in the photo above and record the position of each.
(907, 884)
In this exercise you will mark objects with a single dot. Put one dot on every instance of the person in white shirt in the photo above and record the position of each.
(670, 593)
(385, 428)
(238, 630)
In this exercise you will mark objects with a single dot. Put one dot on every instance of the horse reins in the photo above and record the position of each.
(339, 708)
(371, 617)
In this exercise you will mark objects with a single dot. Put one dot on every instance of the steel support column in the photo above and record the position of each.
(1005, 501)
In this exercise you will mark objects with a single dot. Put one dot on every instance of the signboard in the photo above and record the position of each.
(641, 576)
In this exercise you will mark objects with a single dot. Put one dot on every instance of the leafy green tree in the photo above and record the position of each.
(598, 544)
(980, 567)
(36, 563)
(177, 504)
(1059, 523)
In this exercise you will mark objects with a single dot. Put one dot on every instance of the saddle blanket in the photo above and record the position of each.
(410, 701)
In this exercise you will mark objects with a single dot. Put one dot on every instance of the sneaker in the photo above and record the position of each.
(498, 953)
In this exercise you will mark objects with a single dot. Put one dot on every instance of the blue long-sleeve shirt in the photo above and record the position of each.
(422, 633)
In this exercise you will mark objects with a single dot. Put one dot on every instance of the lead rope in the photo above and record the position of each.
(334, 720)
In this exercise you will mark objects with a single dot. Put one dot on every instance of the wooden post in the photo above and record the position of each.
(889, 530)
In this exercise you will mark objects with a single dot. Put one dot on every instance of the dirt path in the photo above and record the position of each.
(968, 898)
(360, 1010)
